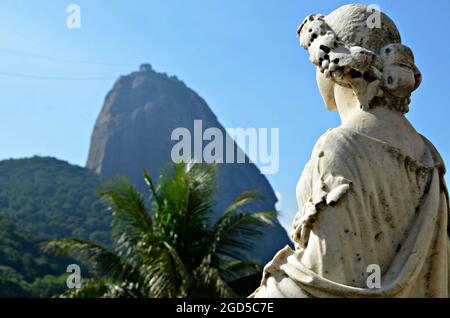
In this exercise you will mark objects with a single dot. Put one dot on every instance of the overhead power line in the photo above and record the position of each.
(58, 59)
(26, 54)
(55, 78)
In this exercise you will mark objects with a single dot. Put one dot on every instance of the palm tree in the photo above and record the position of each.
(176, 250)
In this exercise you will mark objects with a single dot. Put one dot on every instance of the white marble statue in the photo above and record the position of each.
(373, 193)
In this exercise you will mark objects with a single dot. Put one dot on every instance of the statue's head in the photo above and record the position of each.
(360, 48)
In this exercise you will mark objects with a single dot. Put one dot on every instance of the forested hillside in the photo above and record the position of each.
(42, 199)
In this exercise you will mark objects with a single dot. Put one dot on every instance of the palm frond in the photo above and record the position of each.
(130, 218)
(94, 288)
(209, 279)
(183, 219)
(242, 200)
(163, 272)
(152, 189)
(238, 269)
(104, 262)
(90, 288)
(235, 233)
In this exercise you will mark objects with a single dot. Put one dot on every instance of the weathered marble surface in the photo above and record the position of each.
(373, 191)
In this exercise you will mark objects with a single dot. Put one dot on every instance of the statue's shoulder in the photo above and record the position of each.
(437, 158)
(336, 140)
(339, 150)
(337, 145)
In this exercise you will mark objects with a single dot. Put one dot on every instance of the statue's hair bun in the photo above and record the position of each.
(400, 75)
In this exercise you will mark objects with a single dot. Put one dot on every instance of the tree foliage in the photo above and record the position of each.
(170, 247)
(43, 199)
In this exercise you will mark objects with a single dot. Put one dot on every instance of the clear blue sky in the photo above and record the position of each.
(241, 56)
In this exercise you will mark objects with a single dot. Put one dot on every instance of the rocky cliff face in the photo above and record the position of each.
(133, 131)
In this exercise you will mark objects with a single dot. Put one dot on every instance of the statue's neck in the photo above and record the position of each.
(352, 115)
(379, 122)
(346, 102)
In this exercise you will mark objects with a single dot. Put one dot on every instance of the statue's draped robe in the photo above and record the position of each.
(363, 202)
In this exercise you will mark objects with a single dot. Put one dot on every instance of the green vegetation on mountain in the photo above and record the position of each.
(24, 270)
(48, 198)
(43, 199)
